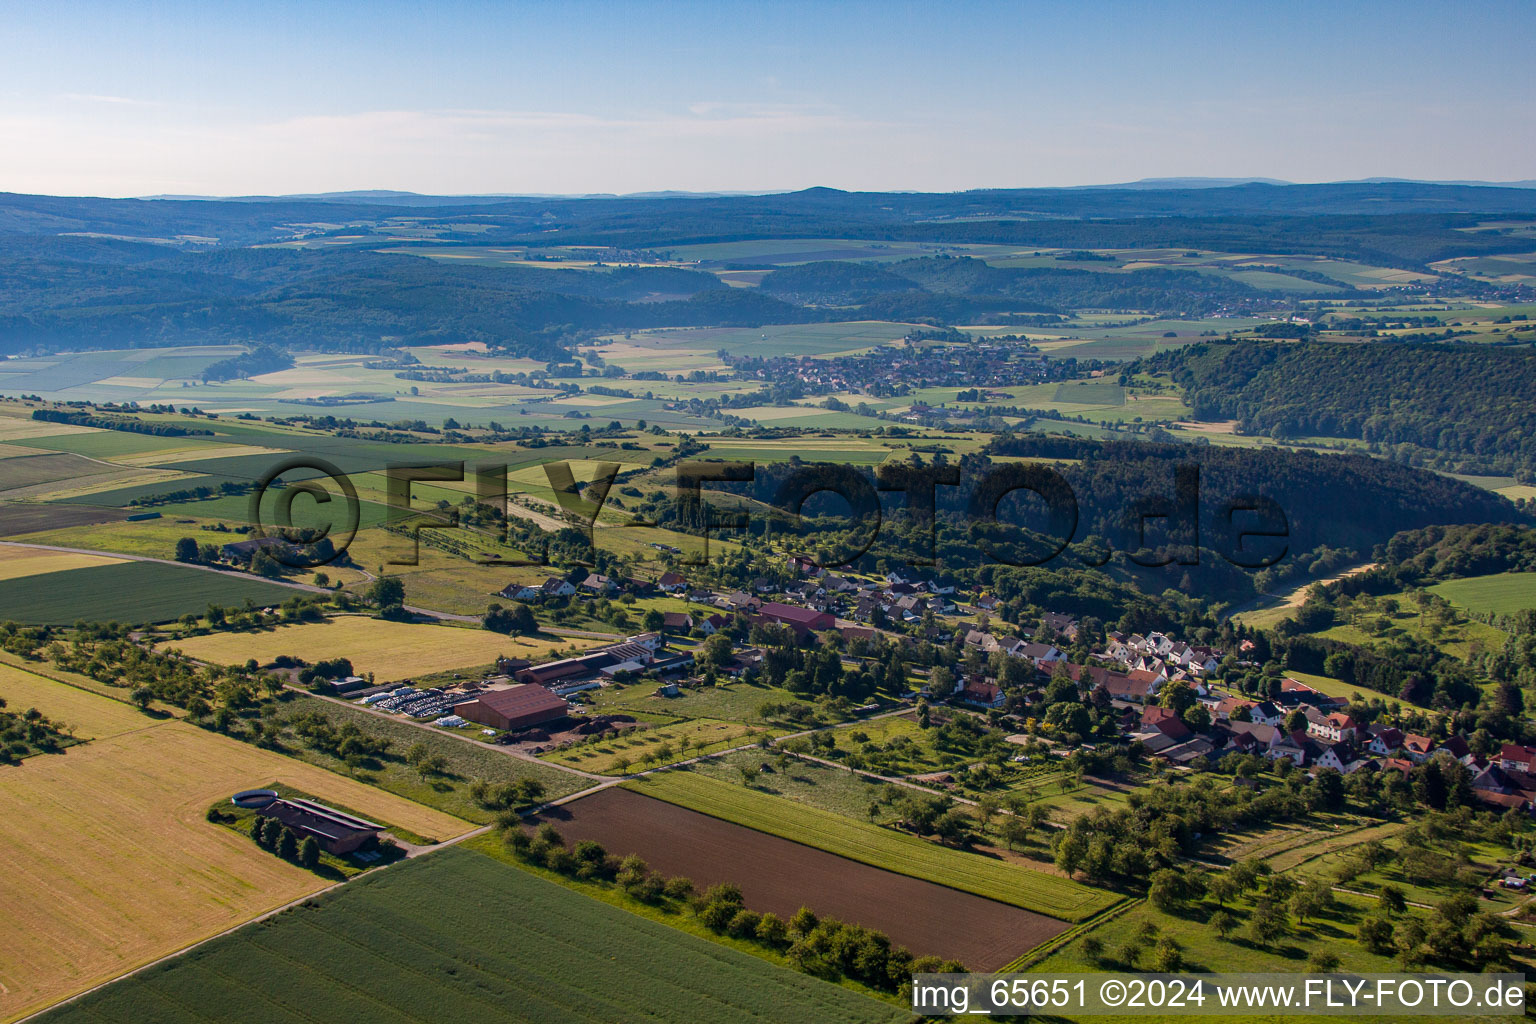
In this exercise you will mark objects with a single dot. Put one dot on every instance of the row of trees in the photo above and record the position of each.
(275, 837)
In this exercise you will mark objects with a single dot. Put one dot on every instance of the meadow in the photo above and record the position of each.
(616, 755)
(130, 592)
(776, 339)
(390, 947)
(110, 862)
(879, 847)
(1502, 594)
(734, 701)
(386, 650)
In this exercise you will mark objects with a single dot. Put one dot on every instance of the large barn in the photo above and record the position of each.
(336, 831)
(515, 708)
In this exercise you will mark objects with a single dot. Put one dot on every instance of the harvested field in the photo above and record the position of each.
(778, 875)
(33, 468)
(89, 715)
(109, 861)
(16, 563)
(17, 519)
(390, 650)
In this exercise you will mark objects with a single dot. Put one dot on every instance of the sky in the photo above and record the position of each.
(129, 99)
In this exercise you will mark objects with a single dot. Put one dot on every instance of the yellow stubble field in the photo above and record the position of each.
(109, 861)
(390, 650)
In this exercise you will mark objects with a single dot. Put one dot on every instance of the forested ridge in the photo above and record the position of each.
(927, 282)
(1330, 503)
(1465, 399)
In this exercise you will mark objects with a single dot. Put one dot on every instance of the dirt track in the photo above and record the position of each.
(778, 875)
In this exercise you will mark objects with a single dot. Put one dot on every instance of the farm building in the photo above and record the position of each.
(571, 674)
(335, 831)
(517, 707)
(243, 550)
(801, 620)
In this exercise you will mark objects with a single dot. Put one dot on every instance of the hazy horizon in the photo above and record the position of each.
(466, 99)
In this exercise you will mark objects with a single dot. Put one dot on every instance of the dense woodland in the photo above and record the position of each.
(1330, 506)
(936, 283)
(1475, 402)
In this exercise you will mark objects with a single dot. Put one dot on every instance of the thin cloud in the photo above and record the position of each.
(85, 97)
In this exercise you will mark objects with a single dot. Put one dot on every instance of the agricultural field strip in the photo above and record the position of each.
(397, 941)
(308, 588)
(148, 871)
(876, 846)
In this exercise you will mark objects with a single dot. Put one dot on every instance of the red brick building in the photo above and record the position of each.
(516, 708)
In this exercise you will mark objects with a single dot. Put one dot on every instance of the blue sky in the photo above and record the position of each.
(135, 99)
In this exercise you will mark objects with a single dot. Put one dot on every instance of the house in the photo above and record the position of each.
(597, 583)
(516, 707)
(671, 583)
(987, 603)
(676, 622)
(1122, 687)
(651, 641)
(1290, 745)
(1043, 655)
(1340, 757)
(1418, 747)
(764, 585)
(1336, 727)
(336, 831)
(802, 620)
(1458, 748)
(1266, 713)
(852, 633)
(556, 587)
(982, 694)
(803, 565)
(1165, 721)
(1385, 742)
(1151, 680)
(1516, 758)
(713, 624)
(1250, 737)
(1226, 707)
(741, 601)
(1063, 625)
(977, 638)
(520, 591)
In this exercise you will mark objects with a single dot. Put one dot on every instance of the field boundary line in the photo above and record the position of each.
(291, 904)
(1056, 914)
(1030, 957)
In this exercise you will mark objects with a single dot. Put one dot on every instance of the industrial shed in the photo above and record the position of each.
(517, 707)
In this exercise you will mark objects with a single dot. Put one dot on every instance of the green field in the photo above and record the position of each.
(1503, 594)
(459, 936)
(879, 847)
(778, 339)
(29, 470)
(130, 592)
(1091, 393)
